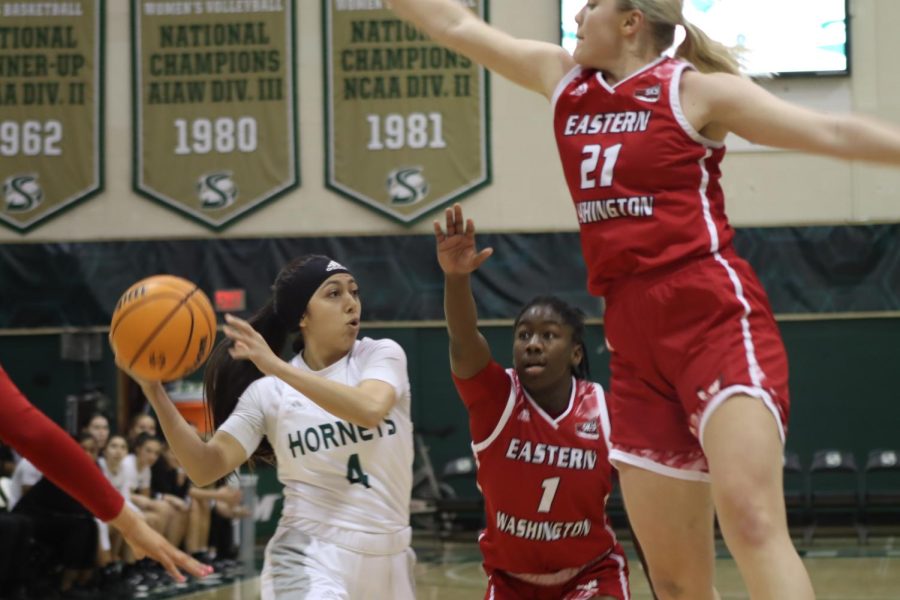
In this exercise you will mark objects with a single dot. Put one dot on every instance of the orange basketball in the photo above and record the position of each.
(163, 328)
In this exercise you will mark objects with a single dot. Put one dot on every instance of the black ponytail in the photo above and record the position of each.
(226, 379)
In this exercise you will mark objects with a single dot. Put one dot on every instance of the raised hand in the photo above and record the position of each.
(250, 345)
(456, 249)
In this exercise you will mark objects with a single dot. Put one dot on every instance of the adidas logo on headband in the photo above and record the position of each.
(334, 266)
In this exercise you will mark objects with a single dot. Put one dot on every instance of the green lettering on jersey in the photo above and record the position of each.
(355, 473)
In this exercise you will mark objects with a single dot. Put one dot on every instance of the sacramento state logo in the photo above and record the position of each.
(216, 190)
(21, 193)
(407, 185)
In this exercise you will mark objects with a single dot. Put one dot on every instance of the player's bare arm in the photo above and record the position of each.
(458, 258)
(204, 462)
(718, 103)
(538, 66)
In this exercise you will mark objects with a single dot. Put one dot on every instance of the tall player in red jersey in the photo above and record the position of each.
(540, 436)
(699, 396)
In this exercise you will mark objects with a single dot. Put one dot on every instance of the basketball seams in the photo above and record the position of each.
(206, 309)
(187, 345)
(160, 327)
(120, 315)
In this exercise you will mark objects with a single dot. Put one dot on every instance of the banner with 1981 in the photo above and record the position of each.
(51, 108)
(406, 119)
(215, 131)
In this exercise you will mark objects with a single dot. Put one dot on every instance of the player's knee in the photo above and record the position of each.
(669, 588)
(746, 518)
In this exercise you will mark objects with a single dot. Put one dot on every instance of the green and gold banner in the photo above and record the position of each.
(215, 125)
(51, 107)
(406, 119)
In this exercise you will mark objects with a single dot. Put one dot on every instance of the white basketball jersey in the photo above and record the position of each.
(337, 474)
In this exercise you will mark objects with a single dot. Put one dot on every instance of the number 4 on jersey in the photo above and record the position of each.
(355, 473)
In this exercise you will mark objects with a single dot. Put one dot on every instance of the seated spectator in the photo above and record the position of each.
(123, 477)
(97, 424)
(24, 476)
(169, 483)
(145, 452)
(141, 423)
(63, 527)
(213, 510)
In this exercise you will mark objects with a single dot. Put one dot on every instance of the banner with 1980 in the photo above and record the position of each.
(51, 107)
(215, 115)
(406, 119)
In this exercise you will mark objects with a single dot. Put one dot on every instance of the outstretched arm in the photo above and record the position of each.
(538, 66)
(738, 105)
(469, 351)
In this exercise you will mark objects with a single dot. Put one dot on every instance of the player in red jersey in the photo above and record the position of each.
(699, 395)
(540, 436)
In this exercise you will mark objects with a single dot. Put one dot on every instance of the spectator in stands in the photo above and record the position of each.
(97, 425)
(216, 508)
(141, 423)
(62, 526)
(146, 450)
(123, 477)
(24, 476)
(170, 484)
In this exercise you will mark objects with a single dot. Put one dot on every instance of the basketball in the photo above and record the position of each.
(163, 328)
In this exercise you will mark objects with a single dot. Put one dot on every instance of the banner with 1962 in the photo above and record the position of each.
(215, 132)
(51, 108)
(406, 119)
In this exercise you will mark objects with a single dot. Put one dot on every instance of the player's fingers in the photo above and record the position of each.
(483, 256)
(438, 232)
(238, 323)
(458, 216)
(451, 225)
(470, 228)
(169, 565)
(192, 565)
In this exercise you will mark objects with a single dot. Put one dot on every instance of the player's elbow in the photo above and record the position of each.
(375, 416)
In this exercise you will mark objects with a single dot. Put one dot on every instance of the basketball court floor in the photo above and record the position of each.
(840, 569)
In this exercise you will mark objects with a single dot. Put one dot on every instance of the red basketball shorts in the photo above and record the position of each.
(683, 341)
(605, 577)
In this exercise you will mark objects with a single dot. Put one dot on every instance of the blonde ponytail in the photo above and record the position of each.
(708, 55)
(662, 16)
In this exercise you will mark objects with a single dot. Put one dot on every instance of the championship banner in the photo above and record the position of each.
(51, 107)
(214, 117)
(406, 119)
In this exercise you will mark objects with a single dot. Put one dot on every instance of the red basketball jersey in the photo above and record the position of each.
(545, 481)
(645, 183)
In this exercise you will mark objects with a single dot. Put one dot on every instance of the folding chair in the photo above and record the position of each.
(834, 492)
(881, 489)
